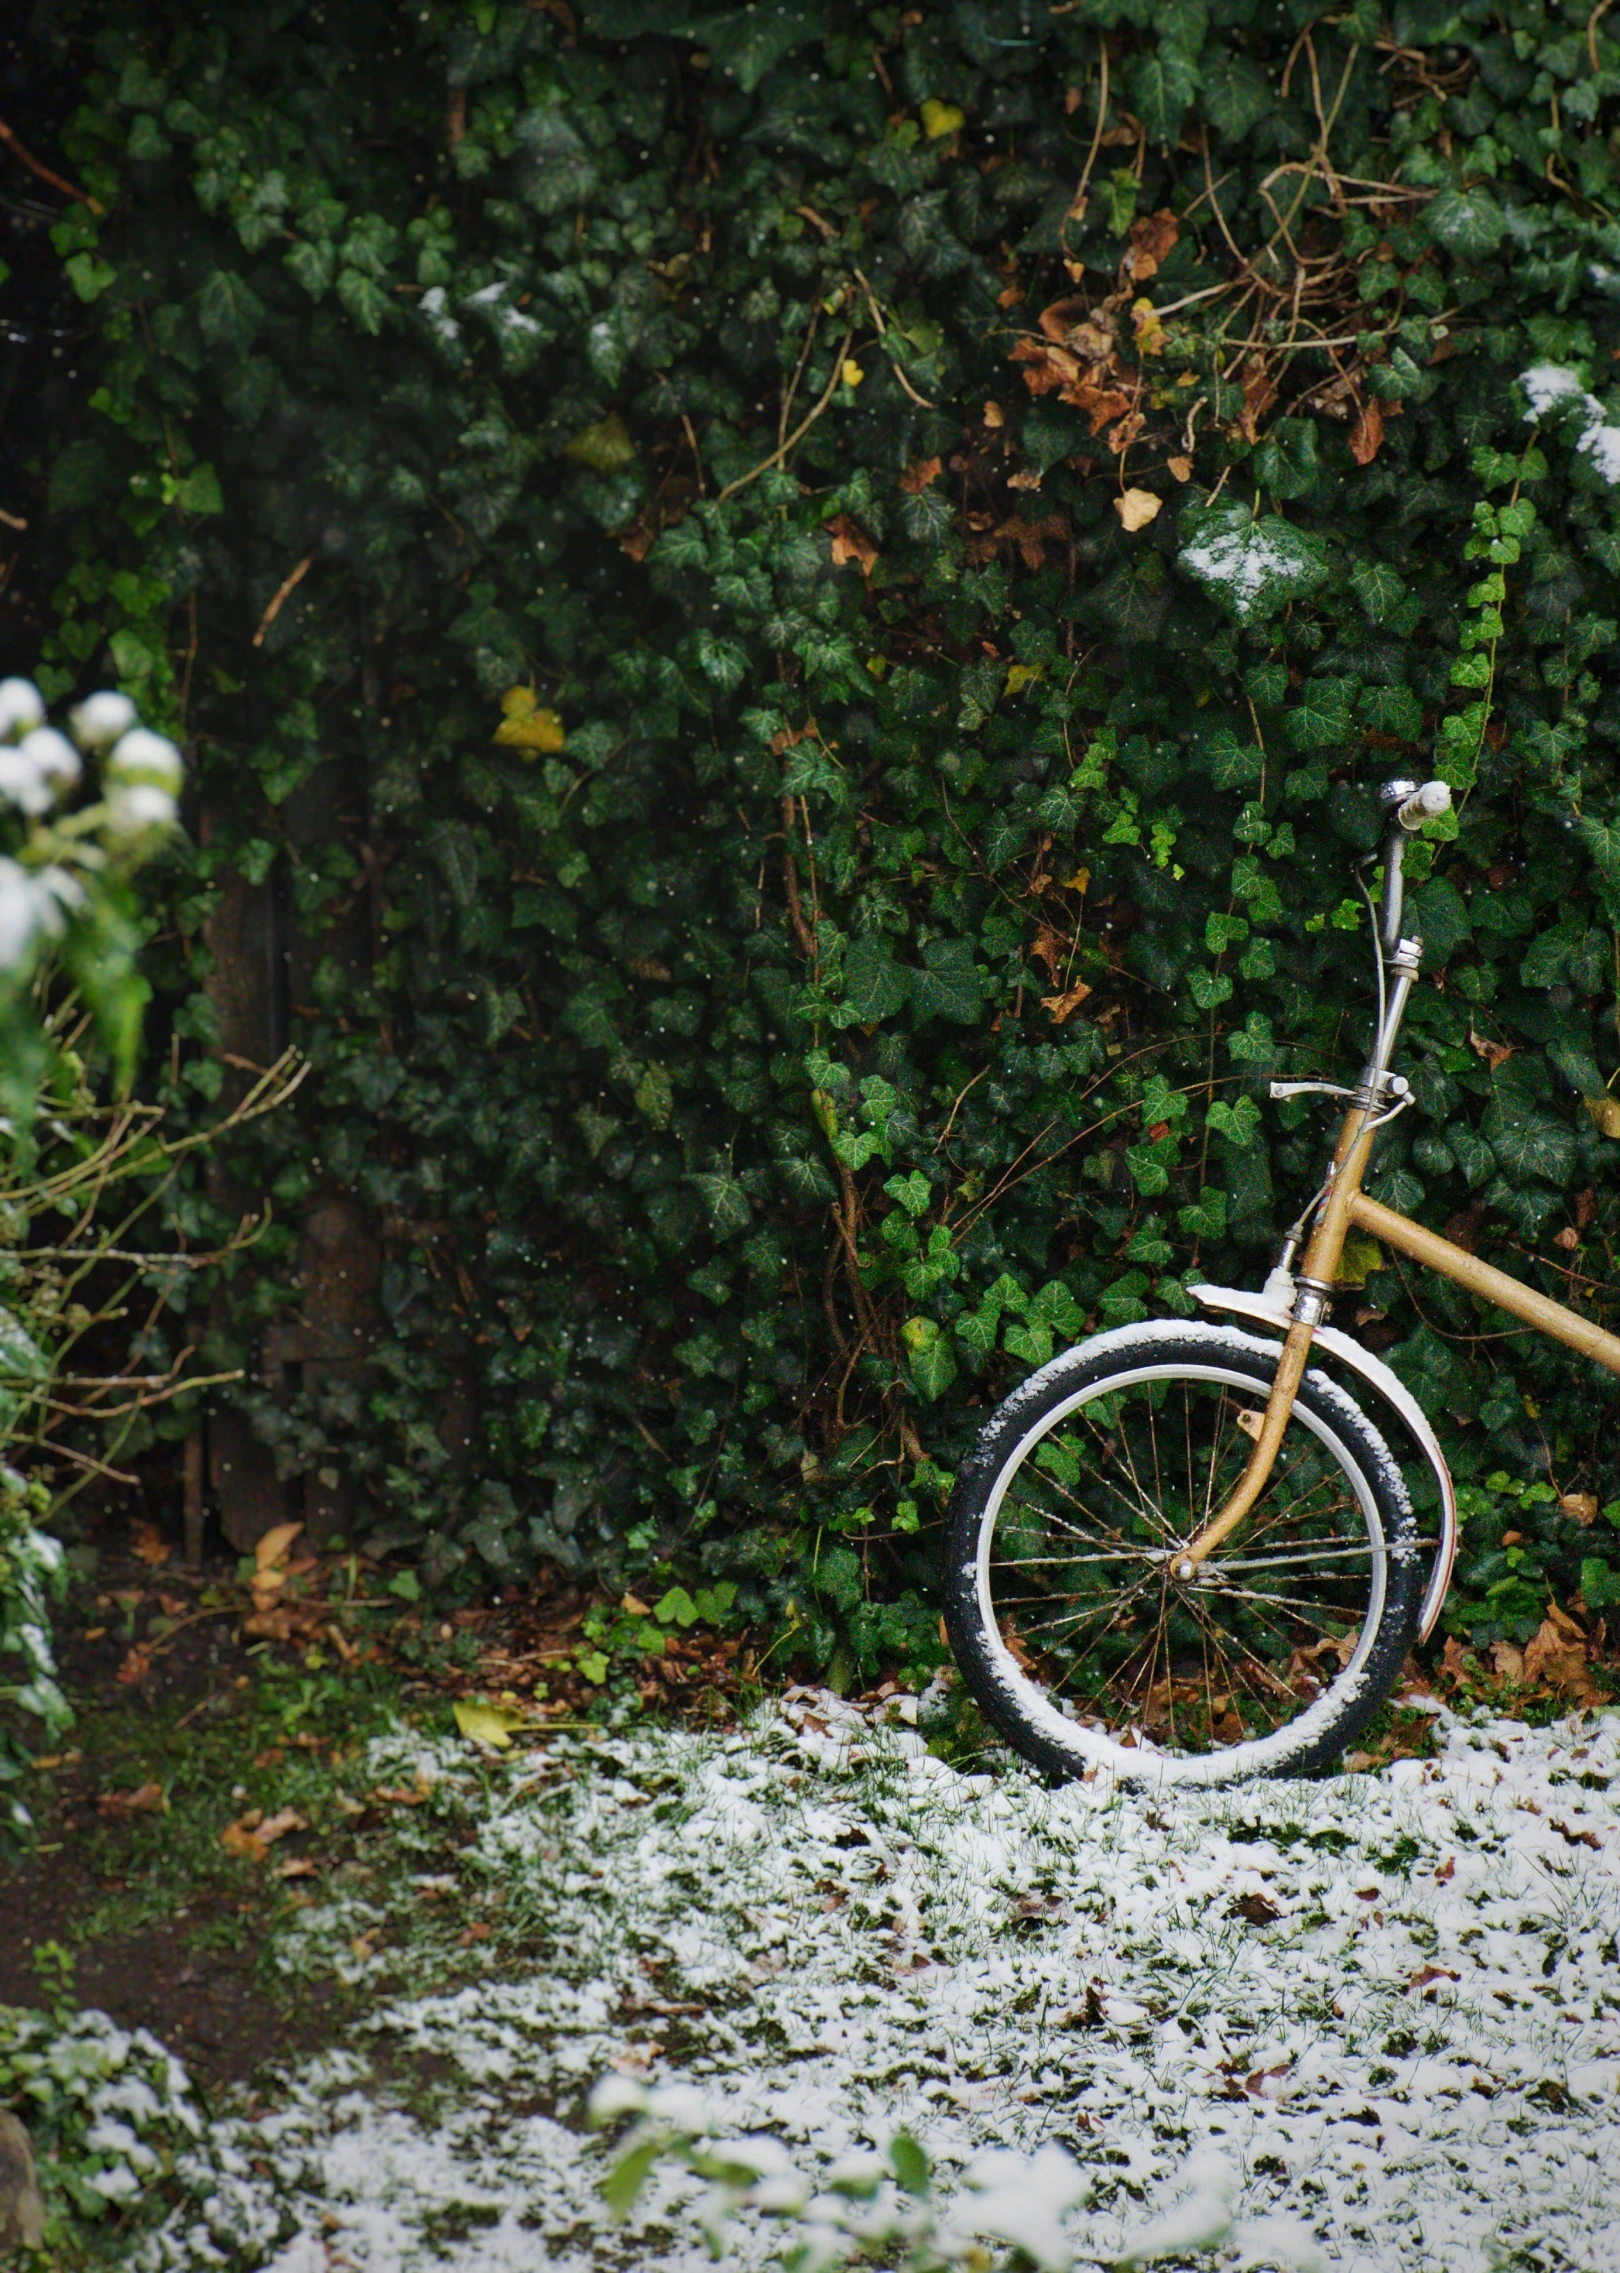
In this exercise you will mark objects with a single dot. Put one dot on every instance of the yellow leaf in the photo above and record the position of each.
(1606, 1112)
(1078, 882)
(1021, 675)
(486, 1724)
(940, 119)
(1181, 468)
(1137, 507)
(1150, 333)
(853, 374)
(525, 725)
(605, 447)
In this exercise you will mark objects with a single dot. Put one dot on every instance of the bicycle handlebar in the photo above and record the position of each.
(1425, 804)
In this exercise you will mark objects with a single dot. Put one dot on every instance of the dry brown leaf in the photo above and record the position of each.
(1494, 1053)
(1583, 1506)
(403, 1795)
(1259, 393)
(1152, 239)
(1428, 1978)
(137, 1664)
(1605, 1111)
(148, 1544)
(1508, 1660)
(251, 1835)
(1064, 1006)
(994, 415)
(1027, 479)
(1181, 468)
(1254, 1909)
(919, 474)
(1555, 1658)
(296, 1866)
(1578, 1838)
(851, 542)
(277, 1826)
(272, 1548)
(146, 1799)
(1086, 386)
(1136, 508)
(1367, 434)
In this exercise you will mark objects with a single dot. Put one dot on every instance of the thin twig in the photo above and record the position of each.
(37, 166)
(799, 432)
(284, 591)
(1077, 203)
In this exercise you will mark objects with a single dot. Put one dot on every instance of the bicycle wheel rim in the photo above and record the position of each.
(1142, 1759)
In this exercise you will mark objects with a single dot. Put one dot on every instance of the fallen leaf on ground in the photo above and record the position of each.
(403, 1795)
(1578, 1838)
(1254, 1909)
(149, 1545)
(137, 1664)
(297, 1866)
(1137, 507)
(251, 1835)
(1428, 1977)
(273, 1546)
(486, 1724)
(146, 1799)
(479, 1933)
(1583, 1506)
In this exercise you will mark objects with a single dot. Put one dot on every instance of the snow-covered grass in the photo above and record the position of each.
(1390, 2003)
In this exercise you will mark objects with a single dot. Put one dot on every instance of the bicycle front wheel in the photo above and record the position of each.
(1087, 1483)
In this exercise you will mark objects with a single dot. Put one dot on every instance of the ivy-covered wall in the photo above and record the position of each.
(799, 608)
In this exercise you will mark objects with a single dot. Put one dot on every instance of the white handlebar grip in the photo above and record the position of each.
(1425, 804)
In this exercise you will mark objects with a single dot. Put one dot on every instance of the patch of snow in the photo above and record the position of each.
(809, 1939)
(1548, 384)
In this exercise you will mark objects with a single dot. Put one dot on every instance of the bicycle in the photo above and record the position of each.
(1182, 1551)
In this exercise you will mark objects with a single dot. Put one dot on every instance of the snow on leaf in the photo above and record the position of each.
(1251, 567)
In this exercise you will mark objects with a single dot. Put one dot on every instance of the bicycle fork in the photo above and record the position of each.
(1370, 1107)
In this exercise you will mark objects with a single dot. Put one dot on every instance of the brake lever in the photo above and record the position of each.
(1309, 1089)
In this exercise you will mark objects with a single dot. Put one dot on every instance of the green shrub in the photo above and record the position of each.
(810, 601)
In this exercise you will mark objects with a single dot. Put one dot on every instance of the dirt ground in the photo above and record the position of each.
(188, 1975)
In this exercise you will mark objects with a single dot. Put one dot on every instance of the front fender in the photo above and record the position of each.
(1273, 1308)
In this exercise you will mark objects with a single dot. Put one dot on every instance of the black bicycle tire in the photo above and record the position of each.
(984, 1664)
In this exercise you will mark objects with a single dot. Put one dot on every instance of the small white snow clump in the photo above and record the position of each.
(1548, 384)
(1244, 561)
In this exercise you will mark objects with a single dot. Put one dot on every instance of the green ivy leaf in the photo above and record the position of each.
(1466, 222)
(1252, 568)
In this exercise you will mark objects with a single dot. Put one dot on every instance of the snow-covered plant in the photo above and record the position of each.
(1012, 2206)
(30, 1571)
(110, 2111)
(69, 847)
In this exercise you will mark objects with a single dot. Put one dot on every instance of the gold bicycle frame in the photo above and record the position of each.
(1344, 1205)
